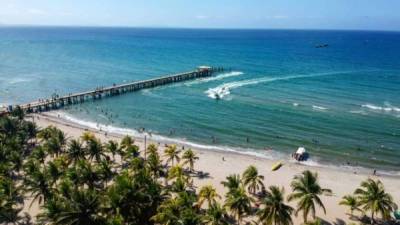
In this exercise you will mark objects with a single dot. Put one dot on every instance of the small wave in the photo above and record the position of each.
(160, 138)
(386, 108)
(295, 104)
(224, 89)
(271, 155)
(18, 80)
(358, 112)
(320, 108)
(218, 77)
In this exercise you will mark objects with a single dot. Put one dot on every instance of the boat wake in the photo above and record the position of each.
(215, 78)
(225, 89)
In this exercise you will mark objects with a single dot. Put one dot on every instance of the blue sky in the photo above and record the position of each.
(298, 14)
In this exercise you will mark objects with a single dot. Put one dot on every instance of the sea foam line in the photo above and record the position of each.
(386, 108)
(224, 89)
(159, 138)
(271, 155)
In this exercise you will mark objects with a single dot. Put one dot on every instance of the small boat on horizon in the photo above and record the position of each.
(321, 46)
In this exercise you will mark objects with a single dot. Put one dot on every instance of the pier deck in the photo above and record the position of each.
(59, 102)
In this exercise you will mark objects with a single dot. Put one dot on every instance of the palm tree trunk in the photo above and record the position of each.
(372, 217)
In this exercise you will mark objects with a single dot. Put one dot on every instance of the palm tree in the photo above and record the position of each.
(39, 154)
(94, 149)
(307, 190)
(82, 209)
(372, 197)
(168, 212)
(352, 202)
(11, 201)
(239, 203)
(172, 153)
(232, 182)
(112, 147)
(75, 151)
(209, 194)
(87, 136)
(126, 142)
(189, 157)
(38, 185)
(274, 211)
(176, 172)
(252, 180)
(155, 165)
(216, 215)
(53, 146)
(152, 149)
(314, 222)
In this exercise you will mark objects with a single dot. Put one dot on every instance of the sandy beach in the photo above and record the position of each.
(221, 164)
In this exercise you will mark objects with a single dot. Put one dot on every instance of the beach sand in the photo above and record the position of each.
(341, 182)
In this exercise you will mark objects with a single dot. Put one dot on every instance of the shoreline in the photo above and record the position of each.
(119, 132)
(219, 164)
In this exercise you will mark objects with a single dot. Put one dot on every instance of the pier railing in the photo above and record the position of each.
(57, 102)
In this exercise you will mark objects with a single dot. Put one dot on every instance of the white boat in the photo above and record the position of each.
(301, 154)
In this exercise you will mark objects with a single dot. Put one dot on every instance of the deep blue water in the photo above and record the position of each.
(341, 102)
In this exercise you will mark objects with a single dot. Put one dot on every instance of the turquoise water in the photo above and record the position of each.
(341, 102)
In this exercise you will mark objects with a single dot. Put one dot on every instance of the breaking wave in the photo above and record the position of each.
(271, 155)
(225, 89)
(319, 108)
(386, 108)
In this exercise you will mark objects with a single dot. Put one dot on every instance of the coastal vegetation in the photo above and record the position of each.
(86, 182)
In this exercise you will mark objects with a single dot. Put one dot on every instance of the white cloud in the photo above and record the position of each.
(201, 17)
(34, 11)
(277, 17)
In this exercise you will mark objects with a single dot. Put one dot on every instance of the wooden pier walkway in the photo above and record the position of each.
(59, 102)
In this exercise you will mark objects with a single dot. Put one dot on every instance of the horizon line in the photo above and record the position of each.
(193, 28)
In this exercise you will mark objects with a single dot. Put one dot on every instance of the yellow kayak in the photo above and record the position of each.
(276, 166)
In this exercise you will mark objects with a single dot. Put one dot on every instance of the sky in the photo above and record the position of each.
(259, 14)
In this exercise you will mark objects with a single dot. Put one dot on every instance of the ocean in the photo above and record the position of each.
(341, 102)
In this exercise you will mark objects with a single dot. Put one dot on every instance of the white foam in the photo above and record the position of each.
(319, 108)
(214, 78)
(18, 80)
(386, 108)
(160, 138)
(224, 89)
(295, 104)
(359, 112)
(272, 155)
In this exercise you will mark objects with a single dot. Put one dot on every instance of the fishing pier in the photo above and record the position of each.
(57, 102)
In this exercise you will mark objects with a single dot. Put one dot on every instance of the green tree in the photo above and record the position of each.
(84, 208)
(232, 182)
(273, 209)
(172, 154)
(239, 203)
(351, 202)
(75, 151)
(189, 158)
(307, 191)
(252, 180)
(216, 215)
(207, 194)
(113, 148)
(373, 197)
